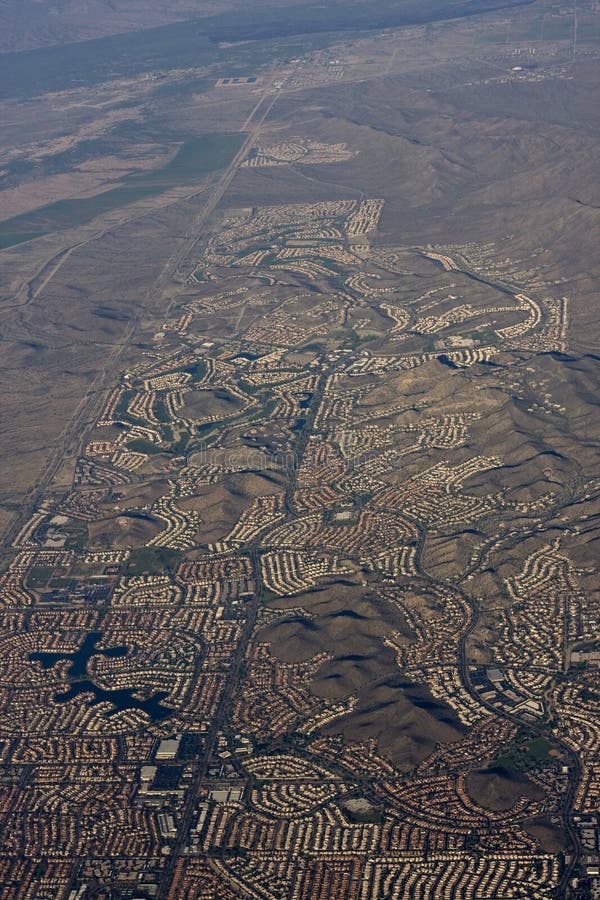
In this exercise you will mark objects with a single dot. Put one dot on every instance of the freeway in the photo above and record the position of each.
(69, 440)
(234, 675)
(575, 768)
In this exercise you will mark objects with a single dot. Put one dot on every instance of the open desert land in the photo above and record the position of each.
(299, 594)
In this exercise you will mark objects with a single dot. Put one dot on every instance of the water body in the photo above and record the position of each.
(121, 699)
(304, 403)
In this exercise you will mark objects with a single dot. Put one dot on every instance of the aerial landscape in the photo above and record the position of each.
(300, 450)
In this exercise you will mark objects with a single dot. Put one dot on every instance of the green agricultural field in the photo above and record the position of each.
(558, 29)
(588, 31)
(10, 239)
(195, 159)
